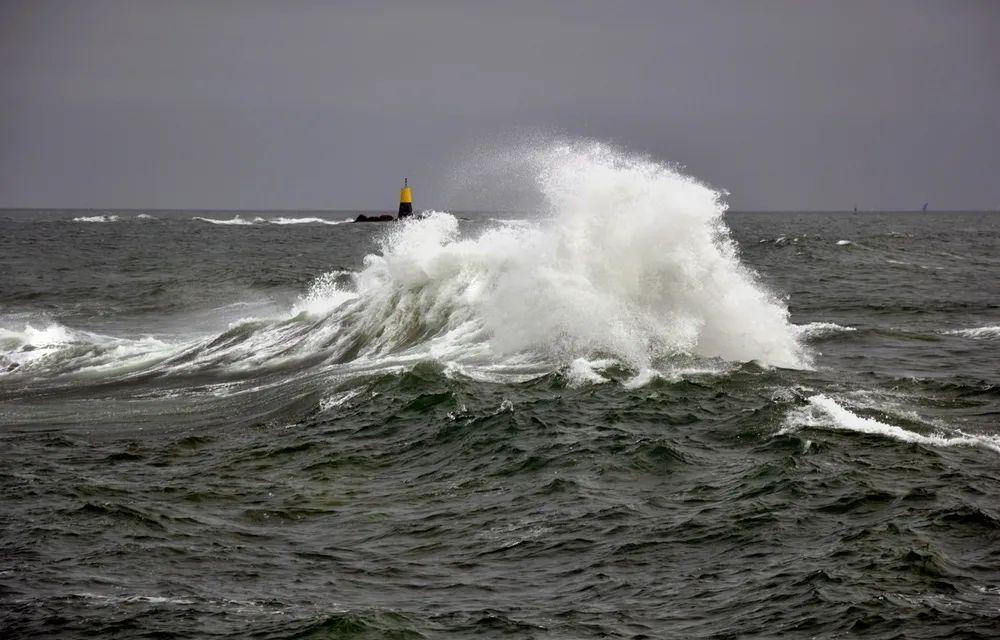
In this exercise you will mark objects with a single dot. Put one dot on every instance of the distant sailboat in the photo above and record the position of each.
(925, 206)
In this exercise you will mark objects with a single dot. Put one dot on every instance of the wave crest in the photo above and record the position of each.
(977, 332)
(246, 222)
(104, 218)
(825, 412)
(634, 262)
(57, 349)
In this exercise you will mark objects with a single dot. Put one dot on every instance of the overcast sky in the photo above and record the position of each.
(321, 105)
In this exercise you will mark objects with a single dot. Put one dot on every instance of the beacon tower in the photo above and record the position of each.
(405, 200)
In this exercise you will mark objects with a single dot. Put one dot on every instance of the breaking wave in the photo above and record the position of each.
(236, 220)
(815, 330)
(113, 218)
(306, 221)
(977, 332)
(241, 221)
(632, 264)
(104, 218)
(55, 349)
(824, 412)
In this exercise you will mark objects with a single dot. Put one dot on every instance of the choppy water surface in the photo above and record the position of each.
(604, 420)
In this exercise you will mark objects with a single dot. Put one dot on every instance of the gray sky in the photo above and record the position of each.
(308, 104)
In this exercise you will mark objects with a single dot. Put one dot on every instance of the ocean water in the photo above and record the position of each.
(626, 414)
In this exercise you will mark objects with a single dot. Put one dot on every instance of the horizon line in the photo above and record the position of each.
(359, 210)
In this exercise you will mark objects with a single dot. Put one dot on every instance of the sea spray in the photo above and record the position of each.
(627, 260)
(56, 349)
(633, 262)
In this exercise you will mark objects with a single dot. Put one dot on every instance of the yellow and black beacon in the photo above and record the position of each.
(405, 200)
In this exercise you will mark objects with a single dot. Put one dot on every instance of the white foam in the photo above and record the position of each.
(241, 221)
(583, 372)
(674, 373)
(634, 263)
(52, 334)
(129, 599)
(61, 348)
(820, 329)
(324, 295)
(237, 220)
(841, 243)
(104, 218)
(643, 377)
(977, 332)
(338, 399)
(824, 412)
(305, 221)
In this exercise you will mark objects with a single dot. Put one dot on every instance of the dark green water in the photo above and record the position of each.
(190, 448)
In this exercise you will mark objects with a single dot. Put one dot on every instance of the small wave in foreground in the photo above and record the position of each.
(821, 330)
(824, 412)
(977, 332)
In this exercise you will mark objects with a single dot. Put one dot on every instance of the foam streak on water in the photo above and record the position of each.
(247, 222)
